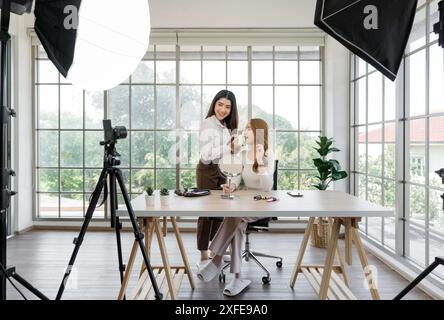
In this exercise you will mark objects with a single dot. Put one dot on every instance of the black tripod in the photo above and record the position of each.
(111, 161)
(7, 273)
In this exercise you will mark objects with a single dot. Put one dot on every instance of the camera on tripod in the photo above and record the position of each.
(112, 157)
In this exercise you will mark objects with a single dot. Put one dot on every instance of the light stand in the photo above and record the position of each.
(439, 261)
(7, 273)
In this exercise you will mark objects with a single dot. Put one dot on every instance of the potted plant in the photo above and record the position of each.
(164, 197)
(149, 197)
(328, 170)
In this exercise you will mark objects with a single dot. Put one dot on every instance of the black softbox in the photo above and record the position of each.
(377, 31)
(59, 42)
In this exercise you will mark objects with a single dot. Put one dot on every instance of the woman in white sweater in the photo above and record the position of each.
(257, 174)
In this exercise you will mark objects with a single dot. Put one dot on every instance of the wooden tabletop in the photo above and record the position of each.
(314, 203)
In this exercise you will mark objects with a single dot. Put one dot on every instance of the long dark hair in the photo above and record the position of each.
(259, 124)
(232, 120)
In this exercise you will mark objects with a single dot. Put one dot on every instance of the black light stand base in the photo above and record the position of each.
(438, 261)
(11, 274)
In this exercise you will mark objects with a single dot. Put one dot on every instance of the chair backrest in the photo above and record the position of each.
(275, 175)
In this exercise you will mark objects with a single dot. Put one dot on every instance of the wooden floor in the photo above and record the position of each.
(41, 258)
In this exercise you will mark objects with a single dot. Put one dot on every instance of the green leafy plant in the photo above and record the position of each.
(149, 191)
(328, 170)
(164, 192)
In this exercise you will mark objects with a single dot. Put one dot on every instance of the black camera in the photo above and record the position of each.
(113, 134)
(112, 157)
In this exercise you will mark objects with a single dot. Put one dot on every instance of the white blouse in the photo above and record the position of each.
(214, 140)
(263, 179)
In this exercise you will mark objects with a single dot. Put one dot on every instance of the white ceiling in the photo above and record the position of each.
(232, 13)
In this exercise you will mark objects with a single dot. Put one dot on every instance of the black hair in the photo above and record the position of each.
(232, 120)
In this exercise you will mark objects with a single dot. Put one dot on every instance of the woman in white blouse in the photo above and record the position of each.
(215, 140)
(257, 174)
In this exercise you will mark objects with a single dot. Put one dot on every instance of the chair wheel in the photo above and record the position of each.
(222, 278)
(266, 280)
(279, 264)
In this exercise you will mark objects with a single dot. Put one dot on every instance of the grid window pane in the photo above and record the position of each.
(286, 72)
(417, 150)
(287, 180)
(166, 107)
(214, 72)
(48, 106)
(119, 105)
(142, 107)
(190, 106)
(190, 72)
(166, 149)
(310, 105)
(142, 149)
(71, 149)
(417, 83)
(71, 180)
(262, 101)
(48, 180)
(262, 72)
(144, 73)
(94, 110)
(166, 72)
(47, 72)
(71, 108)
(436, 75)
(93, 150)
(287, 150)
(71, 205)
(237, 72)
(48, 205)
(375, 97)
(310, 72)
(141, 180)
(286, 101)
(48, 149)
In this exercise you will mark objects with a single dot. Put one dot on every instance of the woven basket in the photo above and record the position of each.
(319, 233)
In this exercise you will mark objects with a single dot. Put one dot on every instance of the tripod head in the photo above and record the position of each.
(111, 156)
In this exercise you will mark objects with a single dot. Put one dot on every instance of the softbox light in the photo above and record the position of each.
(377, 31)
(95, 44)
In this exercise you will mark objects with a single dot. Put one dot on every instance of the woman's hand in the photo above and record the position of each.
(260, 153)
(226, 189)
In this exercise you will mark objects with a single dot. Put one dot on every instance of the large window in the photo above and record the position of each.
(399, 144)
(162, 104)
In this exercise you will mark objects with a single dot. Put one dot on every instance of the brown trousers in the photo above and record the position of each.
(208, 176)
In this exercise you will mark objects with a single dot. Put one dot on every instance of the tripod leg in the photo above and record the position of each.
(78, 241)
(415, 282)
(138, 234)
(115, 222)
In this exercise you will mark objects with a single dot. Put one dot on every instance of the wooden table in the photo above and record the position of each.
(341, 208)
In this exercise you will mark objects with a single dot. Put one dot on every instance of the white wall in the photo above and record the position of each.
(23, 122)
(337, 103)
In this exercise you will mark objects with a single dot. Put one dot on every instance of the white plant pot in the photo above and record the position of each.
(149, 200)
(165, 201)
